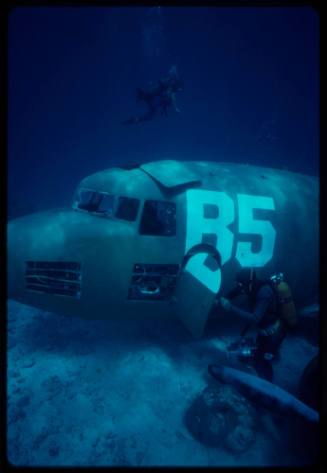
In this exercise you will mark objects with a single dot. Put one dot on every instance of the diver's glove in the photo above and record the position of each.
(226, 305)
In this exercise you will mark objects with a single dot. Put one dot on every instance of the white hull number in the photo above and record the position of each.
(210, 213)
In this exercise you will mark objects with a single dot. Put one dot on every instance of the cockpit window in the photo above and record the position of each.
(158, 218)
(127, 208)
(84, 200)
(93, 201)
(108, 205)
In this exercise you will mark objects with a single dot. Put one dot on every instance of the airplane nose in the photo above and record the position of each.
(69, 262)
(30, 238)
(45, 251)
(44, 254)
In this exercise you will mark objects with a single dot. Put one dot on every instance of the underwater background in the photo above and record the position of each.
(105, 393)
(251, 92)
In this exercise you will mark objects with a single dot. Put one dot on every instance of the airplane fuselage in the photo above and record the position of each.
(118, 251)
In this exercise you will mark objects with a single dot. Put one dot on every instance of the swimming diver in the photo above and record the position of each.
(265, 315)
(158, 97)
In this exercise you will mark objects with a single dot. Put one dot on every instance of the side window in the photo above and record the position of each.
(158, 218)
(127, 208)
(107, 205)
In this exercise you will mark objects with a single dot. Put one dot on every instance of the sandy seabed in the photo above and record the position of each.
(82, 393)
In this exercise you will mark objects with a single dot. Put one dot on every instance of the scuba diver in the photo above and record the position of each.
(272, 311)
(158, 97)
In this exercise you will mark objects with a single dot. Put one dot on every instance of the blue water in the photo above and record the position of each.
(251, 92)
(84, 392)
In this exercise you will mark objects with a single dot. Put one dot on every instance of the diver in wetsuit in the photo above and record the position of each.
(158, 97)
(264, 314)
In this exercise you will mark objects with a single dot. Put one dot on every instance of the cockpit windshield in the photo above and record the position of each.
(107, 205)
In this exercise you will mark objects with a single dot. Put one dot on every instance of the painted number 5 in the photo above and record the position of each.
(247, 224)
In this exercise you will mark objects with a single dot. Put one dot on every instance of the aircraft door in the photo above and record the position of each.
(198, 284)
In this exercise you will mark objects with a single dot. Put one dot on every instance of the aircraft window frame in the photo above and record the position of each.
(94, 193)
(113, 211)
(147, 228)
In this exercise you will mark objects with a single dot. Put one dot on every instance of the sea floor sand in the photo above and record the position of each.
(82, 393)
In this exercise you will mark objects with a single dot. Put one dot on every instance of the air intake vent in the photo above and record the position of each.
(61, 278)
(153, 282)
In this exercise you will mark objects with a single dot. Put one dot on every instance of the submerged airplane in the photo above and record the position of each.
(164, 238)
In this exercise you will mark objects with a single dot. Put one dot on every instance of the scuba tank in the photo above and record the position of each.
(287, 310)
